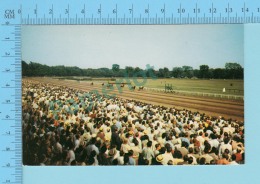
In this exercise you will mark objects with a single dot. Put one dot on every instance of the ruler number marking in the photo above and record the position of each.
(83, 11)
(196, 10)
(244, 10)
(213, 10)
(228, 10)
(181, 10)
(162, 10)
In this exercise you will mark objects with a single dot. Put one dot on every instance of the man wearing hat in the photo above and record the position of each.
(167, 156)
(158, 160)
(113, 153)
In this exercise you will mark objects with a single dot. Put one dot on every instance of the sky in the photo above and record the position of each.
(97, 46)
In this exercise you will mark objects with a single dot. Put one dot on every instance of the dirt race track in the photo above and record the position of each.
(210, 106)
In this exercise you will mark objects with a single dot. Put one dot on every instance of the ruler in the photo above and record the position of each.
(14, 15)
(132, 12)
(10, 100)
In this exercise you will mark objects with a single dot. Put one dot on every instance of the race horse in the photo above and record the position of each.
(141, 88)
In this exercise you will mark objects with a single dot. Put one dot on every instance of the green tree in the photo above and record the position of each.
(138, 72)
(196, 73)
(25, 69)
(137, 69)
(219, 73)
(166, 72)
(177, 72)
(160, 72)
(115, 67)
(204, 71)
(129, 71)
(234, 71)
(187, 71)
(150, 72)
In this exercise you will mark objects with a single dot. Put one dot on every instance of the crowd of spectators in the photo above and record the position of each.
(64, 126)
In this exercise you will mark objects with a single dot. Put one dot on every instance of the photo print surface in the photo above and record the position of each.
(107, 95)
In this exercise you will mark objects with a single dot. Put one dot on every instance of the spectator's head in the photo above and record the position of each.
(130, 153)
(184, 144)
(186, 158)
(213, 136)
(157, 146)
(93, 140)
(190, 150)
(202, 161)
(162, 150)
(226, 151)
(73, 163)
(177, 154)
(212, 162)
(225, 156)
(149, 144)
(103, 149)
(91, 161)
(169, 149)
(207, 148)
(170, 162)
(196, 150)
(115, 162)
(164, 135)
(226, 140)
(190, 160)
(93, 153)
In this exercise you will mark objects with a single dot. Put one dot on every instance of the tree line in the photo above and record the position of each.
(231, 71)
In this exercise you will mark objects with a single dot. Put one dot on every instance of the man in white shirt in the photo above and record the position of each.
(224, 146)
(167, 155)
(213, 141)
(148, 152)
